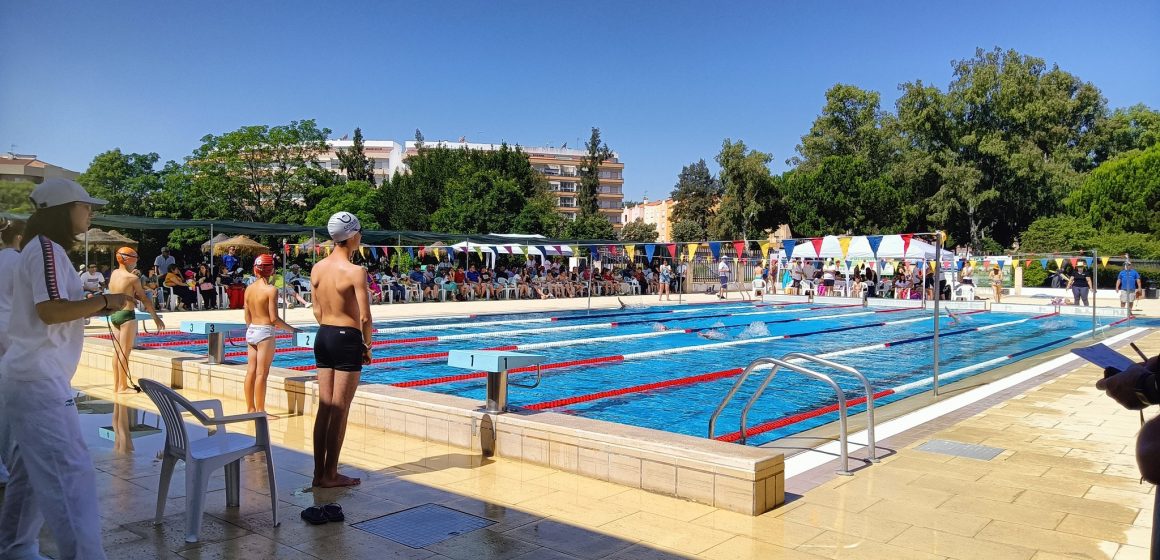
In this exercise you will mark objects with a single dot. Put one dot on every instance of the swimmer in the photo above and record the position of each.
(343, 346)
(123, 322)
(261, 307)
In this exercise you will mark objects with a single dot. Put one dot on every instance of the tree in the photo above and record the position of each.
(687, 230)
(640, 231)
(590, 226)
(1123, 194)
(598, 153)
(840, 195)
(355, 163)
(1057, 235)
(258, 173)
(14, 196)
(481, 203)
(128, 181)
(749, 204)
(695, 195)
(851, 124)
(356, 197)
(1132, 128)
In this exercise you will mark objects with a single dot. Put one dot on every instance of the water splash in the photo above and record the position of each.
(657, 327)
(756, 329)
(712, 334)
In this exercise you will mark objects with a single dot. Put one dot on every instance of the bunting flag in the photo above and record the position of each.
(612, 250)
(649, 251)
(1002, 264)
(328, 250)
(543, 249)
(672, 250)
(296, 249)
(906, 237)
(817, 243)
(715, 248)
(479, 252)
(765, 250)
(362, 251)
(1058, 262)
(931, 263)
(374, 253)
(411, 251)
(1088, 261)
(692, 250)
(874, 241)
(849, 263)
(739, 248)
(1073, 261)
(575, 250)
(630, 250)
(1043, 263)
(594, 251)
(1027, 263)
(788, 246)
(844, 243)
(1104, 261)
(523, 249)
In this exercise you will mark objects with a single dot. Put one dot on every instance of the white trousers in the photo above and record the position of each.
(51, 475)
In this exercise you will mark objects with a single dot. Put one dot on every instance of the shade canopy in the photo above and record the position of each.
(205, 247)
(244, 245)
(111, 238)
(863, 247)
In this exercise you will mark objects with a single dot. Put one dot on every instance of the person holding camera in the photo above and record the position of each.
(52, 475)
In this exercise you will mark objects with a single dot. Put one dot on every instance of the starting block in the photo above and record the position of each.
(215, 333)
(305, 339)
(496, 363)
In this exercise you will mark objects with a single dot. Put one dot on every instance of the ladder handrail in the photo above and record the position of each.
(777, 365)
(733, 391)
(865, 384)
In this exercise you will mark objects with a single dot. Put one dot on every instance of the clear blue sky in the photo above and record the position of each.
(664, 81)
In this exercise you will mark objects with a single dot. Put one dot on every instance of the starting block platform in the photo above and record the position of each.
(215, 333)
(496, 363)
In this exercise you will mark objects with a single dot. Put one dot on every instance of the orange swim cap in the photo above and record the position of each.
(264, 265)
(124, 254)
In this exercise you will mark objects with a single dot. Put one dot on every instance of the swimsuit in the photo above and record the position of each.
(255, 334)
(339, 348)
(118, 318)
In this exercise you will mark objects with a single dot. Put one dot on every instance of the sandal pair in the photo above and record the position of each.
(318, 515)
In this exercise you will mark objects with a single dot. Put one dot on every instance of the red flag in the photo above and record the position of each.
(558, 249)
(739, 247)
(1073, 261)
(672, 250)
(612, 249)
(817, 243)
(906, 242)
(1027, 263)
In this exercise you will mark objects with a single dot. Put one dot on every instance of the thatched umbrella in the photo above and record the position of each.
(216, 240)
(100, 238)
(243, 244)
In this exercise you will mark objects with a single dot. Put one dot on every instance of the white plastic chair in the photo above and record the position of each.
(964, 292)
(204, 456)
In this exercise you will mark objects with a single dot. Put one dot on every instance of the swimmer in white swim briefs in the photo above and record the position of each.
(257, 333)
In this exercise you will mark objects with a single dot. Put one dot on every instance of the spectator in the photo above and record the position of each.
(164, 261)
(1079, 284)
(230, 260)
(93, 282)
(185, 295)
(1128, 284)
(206, 284)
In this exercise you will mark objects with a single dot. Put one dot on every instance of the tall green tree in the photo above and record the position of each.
(14, 196)
(128, 181)
(750, 204)
(589, 226)
(696, 195)
(355, 163)
(852, 124)
(598, 153)
(639, 231)
(356, 197)
(1131, 128)
(686, 230)
(259, 173)
(1123, 194)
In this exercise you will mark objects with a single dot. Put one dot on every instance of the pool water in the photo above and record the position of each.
(668, 367)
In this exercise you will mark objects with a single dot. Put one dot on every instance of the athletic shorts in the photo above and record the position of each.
(828, 283)
(339, 348)
(724, 281)
(1127, 296)
(795, 284)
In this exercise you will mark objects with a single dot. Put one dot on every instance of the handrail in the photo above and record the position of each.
(539, 377)
(865, 383)
(733, 391)
(777, 365)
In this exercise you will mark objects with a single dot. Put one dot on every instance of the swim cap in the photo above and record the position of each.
(124, 254)
(343, 226)
(264, 265)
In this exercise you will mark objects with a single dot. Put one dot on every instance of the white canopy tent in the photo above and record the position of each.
(890, 247)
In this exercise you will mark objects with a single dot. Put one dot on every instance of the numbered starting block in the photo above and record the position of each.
(305, 339)
(216, 336)
(496, 363)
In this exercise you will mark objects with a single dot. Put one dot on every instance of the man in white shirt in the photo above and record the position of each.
(163, 261)
(92, 281)
(723, 277)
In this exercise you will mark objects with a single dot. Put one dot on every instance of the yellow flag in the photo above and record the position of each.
(524, 249)
(1104, 261)
(631, 250)
(765, 250)
(362, 251)
(296, 248)
(575, 250)
(692, 249)
(1058, 262)
(479, 252)
(844, 243)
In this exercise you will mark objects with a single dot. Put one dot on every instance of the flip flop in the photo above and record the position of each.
(333, 512)
(314, 515)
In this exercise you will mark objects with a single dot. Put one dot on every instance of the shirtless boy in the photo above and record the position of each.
(342, 309)
(261, 322)
(124, 321)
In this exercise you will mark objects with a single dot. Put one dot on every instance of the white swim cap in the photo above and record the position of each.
(343, 226)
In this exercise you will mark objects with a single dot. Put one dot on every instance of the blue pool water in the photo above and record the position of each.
(726, 336)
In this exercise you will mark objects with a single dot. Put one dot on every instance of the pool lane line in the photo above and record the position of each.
(146, 334)
(793, 419)
(690, 380)
(636, 355)
(171, 343)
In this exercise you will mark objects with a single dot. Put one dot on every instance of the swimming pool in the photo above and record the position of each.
(668, 367)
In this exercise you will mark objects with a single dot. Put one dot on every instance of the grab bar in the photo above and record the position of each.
(733, 391)
(865, 384)
(539, 377)
(777, 365)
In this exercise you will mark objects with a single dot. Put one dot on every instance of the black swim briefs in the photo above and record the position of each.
(339, 348)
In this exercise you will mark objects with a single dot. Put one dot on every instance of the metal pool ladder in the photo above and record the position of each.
(785, 362)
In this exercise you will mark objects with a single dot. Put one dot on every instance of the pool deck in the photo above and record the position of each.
(1064, 485)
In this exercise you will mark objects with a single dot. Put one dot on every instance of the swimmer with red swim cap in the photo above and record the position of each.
(127, 280)
(261, 323)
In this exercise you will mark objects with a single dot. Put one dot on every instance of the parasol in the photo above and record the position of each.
(244, 244)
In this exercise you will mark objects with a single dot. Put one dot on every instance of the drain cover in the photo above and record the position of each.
(423, 525)
(959, 449)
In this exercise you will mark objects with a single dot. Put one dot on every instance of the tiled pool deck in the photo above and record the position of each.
(1065, 485)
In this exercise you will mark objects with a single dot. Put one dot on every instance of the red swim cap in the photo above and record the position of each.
(125, 253)
(264, 265)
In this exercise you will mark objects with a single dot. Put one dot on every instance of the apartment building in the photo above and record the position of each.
(561, 166)
(387, 156)
(26, 167)
(659, 213)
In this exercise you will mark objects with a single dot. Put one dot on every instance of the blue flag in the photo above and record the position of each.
(649, 249)
(715, 248)
(595, 252)
(874, 241)
(788, 246)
